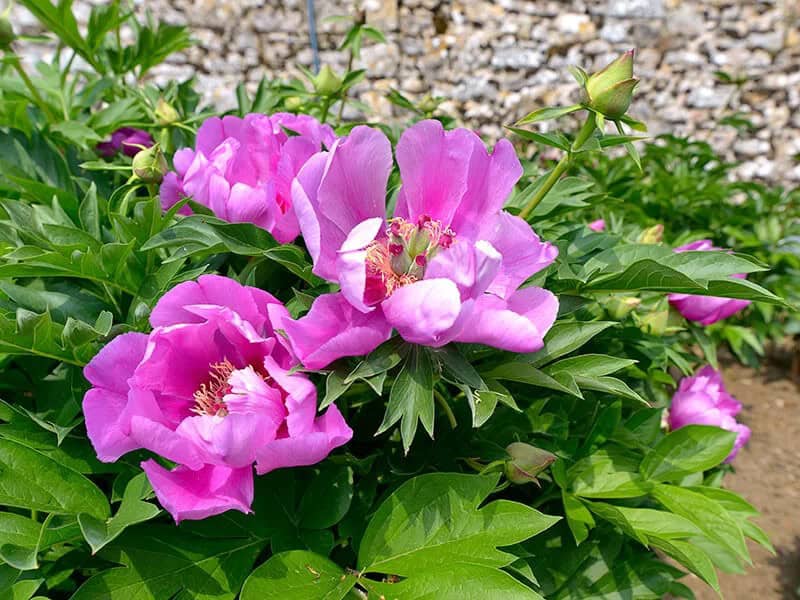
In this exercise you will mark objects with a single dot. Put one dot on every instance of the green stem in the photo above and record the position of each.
(584, 134)
(344, 94)
(15, 62)
(325, 106)
(446, 408)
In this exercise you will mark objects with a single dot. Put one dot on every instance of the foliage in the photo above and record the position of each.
(405, 511)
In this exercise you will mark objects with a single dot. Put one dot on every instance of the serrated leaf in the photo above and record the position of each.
(432, 522)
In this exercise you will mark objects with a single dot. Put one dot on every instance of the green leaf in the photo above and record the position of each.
(525, 373)
(608, 473)
(712, 519)
(564, 338)
(590, 365)
(690, 449)
(456, 582)
(298, 575)
(579, 518)
(691, 557)
(132, 510)
(31, 479)
(411, 398)
(327, 499)
(546, 114)
(384, 358)
(548, 139)
(657, 523)
(609, 385)
(22, 538)
(162, 561)
(432, 523)
(77, 133)
(457, 369)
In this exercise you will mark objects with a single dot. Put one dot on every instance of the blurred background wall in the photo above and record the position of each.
(497, 61)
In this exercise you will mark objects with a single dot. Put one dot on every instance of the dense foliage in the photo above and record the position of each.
(534, 474)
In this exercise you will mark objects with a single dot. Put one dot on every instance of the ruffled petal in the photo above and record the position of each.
(523, 252)
(188, 494)
(328, 432)
(333, 329)
(115, 363)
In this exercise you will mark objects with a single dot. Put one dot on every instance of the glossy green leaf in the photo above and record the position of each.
(690, 449)
(298, 575)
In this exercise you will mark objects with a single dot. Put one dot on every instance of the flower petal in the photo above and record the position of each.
(328, 432)
(188, 494)
(517, 324)
(333, 329)
(351, 262)
(523, 252)
(424, 311)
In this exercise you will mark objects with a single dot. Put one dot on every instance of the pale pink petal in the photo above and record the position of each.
(598, 225)
(350, 264)
(424, 312)
(188, 494)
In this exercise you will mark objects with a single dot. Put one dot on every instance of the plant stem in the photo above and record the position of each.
(344, 93)
(584, 134)
(15, 62)
(446, 408)
(326, 104)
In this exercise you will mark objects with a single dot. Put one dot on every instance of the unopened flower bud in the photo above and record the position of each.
(327, 82)
(293, 102)
(525, 462)
(619, 307)
(165, 113)
(7, 34)
(150, 165)
(652, 235)
(655, 323)
(610, 90)
(428, 104)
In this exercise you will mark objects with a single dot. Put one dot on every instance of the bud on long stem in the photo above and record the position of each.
(584, 134)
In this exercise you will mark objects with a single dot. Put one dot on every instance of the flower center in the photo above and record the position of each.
(208, 400)
(401, 257)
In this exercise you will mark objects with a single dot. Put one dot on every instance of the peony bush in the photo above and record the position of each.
(220, 334)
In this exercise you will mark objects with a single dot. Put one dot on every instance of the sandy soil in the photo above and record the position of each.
(768, 476)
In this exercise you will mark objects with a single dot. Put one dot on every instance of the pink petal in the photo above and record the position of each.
(250, 303)
(351, 262)
(333, 329)
(472, 267)
(517, 324)
(424, 311)
(102, 410)
(706, 310)
(328, 432)
(115, 363)
(523, 253)
(188, 494)
(451, 177)
(598, 225)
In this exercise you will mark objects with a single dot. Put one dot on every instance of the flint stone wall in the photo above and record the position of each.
(497, 61)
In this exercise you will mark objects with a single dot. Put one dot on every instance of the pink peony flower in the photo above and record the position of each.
(242, 169)
(703, 400)
(446, 267)
(127, 139)
(705, 309)
(209, 389)
(598, 225)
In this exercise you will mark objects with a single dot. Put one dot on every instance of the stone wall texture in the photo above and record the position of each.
(497, 61)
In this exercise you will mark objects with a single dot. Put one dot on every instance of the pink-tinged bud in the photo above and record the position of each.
(525, 462)
(609, 91)
(652, 235)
